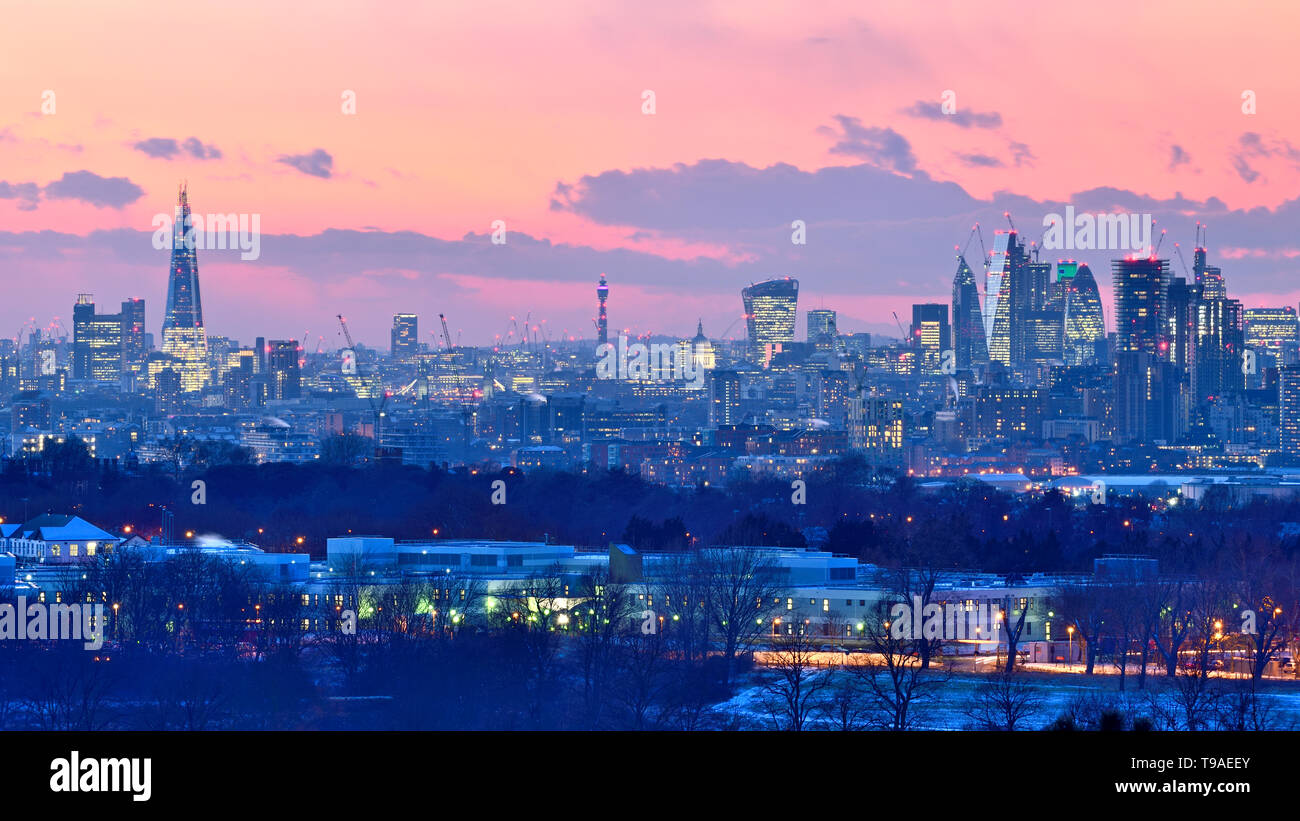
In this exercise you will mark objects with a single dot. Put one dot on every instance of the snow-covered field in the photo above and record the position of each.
(948, 706)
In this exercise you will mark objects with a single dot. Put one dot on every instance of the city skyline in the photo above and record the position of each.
(673, 216)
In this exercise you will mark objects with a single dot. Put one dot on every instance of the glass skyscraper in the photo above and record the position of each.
(97, 343)
(1289, 412)
(930, 335)
(404, 340)
(1141, 294)
(967, 319)
(1085, 328)
(821, 329)
(1002, 327)
(770, 310)
(183, 337)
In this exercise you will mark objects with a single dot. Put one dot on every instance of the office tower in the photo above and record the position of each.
(183, 337)
(219, 351)
(1038, 285)
(1056, 289)
(405, 337)
(858, 344)
(1007, 413)
(1149, 403)
(1044, 336)
(967, 319)
(602, 321)
(1003, 311)
(134, 341)
(1208, 277)
(96, 343)
(770, 310)
(1289, 411)
(1272, 328)
(1141, 307)
(876, 426)
(1085, 329)
(237, 384)
(167, 388)
(1219, 348)
(10, 366)
(930, 335)
(1181, 318)
(821, 329)
(283, 378)
(725, 404)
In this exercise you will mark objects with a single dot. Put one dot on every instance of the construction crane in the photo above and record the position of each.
(902, 334)
(446, 334)
(984, 252)
(1007, 214)
(723, 335)
(969, 237)
(376, 406)
(1178, 250)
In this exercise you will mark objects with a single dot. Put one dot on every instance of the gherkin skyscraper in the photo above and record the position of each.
(1085, 327)
(183, 337)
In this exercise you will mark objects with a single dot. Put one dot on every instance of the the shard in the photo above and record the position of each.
(183, 337)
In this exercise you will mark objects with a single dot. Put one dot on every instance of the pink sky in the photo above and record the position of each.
(473, 112)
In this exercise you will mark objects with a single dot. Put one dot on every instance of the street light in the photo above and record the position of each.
(1070, 657)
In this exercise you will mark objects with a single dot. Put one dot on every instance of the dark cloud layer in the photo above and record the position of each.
(962, 117)
(89, 187)
(165, 148)
(316, 164)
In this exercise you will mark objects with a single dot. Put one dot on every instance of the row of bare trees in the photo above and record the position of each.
(1243, 606)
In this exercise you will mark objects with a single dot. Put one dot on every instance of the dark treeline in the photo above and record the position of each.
(874, 515)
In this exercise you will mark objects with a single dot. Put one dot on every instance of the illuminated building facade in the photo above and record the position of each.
(967, 319)
(1009, 413)
(1289, 411)
(96, 343)
(821, 329)
(134, 343)
(930, 335)
(1085, 328)
(183, 337)
(405, 336)
(1141, 307)
(1272, 328)
(283, 376)
(1002, 313)
(1209, 277)
(876, 426)
(770, 310)
(1219, 348)
(726, 406)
